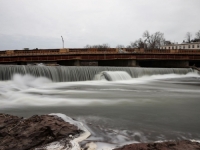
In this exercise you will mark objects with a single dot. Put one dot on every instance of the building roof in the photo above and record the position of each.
(182, 44)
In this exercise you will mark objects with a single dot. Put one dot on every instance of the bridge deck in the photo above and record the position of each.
(100, 57)
(95, 54)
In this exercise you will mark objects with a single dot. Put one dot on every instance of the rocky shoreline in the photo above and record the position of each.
(39, 132)
(36, 131)
(169, 145)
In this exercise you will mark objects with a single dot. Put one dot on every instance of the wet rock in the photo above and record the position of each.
(170, 145)
(19, 133)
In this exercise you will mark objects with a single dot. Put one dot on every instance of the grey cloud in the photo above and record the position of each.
(10, 42)
(93, 22)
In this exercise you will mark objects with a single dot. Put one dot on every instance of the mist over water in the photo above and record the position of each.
(123, 109)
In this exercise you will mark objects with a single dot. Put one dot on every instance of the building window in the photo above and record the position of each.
(183, 47)
(188, 46)
(179, 47)
(198, 46)
(192, 46)
(169, 47)
(172, 47)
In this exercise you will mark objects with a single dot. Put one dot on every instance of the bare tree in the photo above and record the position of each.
(103, 46)
(153, 41)
(198, 35)
(167, 42)
(88, 46)
(137, 44)
(146, 35)
(120, 46)
(188, 37)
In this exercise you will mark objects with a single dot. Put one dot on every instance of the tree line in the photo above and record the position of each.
(189, 37)
(149, 41)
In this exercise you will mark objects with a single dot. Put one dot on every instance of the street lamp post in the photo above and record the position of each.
(62, 41)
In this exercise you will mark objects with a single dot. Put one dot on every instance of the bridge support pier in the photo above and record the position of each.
(22, 63)
(118, 62)
(164, 63)
(194, 63)
(77, 63)
(132, 63)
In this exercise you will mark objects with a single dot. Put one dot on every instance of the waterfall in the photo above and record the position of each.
(73, 73)
(112, 76)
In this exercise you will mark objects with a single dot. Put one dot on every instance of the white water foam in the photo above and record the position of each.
(198, 141)
(112, 76)
(31, 91)
(26, 81)
(57, 145)
(22, 91)
(147, 78)
(105, 138)
(75, 142)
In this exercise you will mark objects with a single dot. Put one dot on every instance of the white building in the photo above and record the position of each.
(194, 45)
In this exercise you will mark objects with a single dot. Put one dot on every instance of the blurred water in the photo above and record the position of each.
(149, 108)
(81, 73)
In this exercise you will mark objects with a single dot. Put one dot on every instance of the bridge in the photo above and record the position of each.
(103, 57)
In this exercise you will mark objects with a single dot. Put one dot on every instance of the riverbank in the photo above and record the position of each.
(35, 132)
(49, 132)
(168, 145)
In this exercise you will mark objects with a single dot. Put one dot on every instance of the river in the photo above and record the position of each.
(147, 107)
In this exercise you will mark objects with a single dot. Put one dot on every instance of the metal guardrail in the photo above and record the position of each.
(55, 53)
(100, 57)
(77, 53)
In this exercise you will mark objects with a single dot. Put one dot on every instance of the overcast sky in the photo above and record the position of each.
(40, 23)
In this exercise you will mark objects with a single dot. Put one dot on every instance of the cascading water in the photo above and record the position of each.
(72, 73)
(112, 75)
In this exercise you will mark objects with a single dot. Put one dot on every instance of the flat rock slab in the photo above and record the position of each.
(170, 145)
(22, 134)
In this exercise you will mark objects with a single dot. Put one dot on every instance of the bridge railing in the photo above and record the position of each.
(100, 57)
(94, 51)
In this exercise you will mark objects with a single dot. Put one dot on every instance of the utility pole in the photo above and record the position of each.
(62, 41)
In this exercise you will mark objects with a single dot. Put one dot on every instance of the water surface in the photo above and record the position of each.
(148, 108)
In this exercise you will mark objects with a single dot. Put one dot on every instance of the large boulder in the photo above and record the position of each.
(20, 134)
